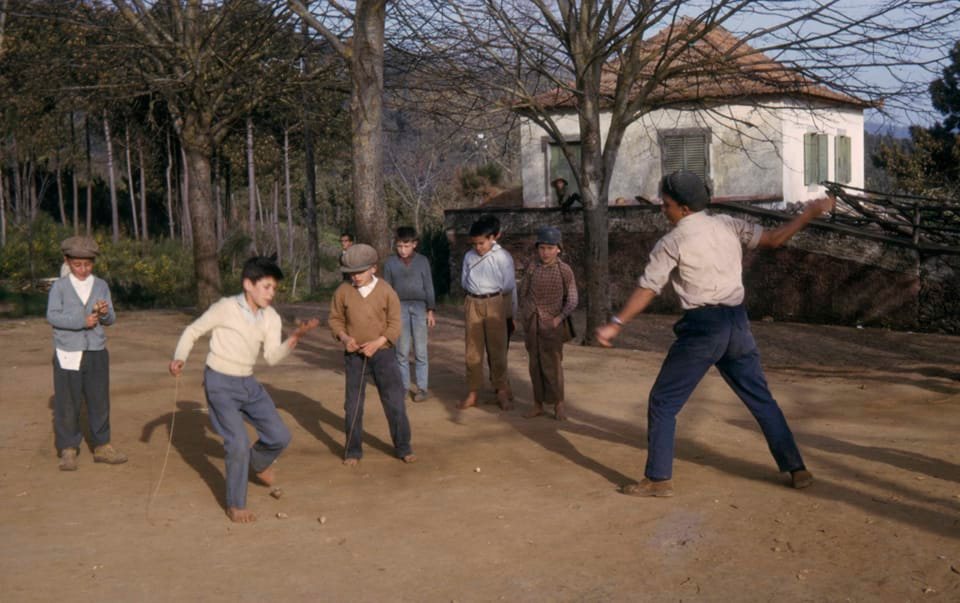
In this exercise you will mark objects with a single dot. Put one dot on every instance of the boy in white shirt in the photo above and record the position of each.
(702, 258)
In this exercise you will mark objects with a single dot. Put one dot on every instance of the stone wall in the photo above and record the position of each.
(825, 274)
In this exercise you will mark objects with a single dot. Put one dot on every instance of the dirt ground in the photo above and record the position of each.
(499, 507)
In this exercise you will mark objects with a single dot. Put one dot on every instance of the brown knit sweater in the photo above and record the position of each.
(366, 318)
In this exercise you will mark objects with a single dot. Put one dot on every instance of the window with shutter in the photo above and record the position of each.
(686, 150)
(558, 167)
(842, 163)
(815, 167)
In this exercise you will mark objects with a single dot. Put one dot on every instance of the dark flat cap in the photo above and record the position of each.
(686, 188)
(549, 235)
(358, 258)
(80, 247)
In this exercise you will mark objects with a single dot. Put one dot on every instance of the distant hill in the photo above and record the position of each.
(884, 128)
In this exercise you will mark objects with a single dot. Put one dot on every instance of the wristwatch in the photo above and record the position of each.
(616, 320)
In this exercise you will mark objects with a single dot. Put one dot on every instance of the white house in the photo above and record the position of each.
(771, 139)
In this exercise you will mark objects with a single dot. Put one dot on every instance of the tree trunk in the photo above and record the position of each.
(74, 181)
(202, 226)
(3, 211)
(114, 208)
(130, 187)
(217, 201)
(310, 214)
(286, 192)
(169, 175)
(276, 220)
(595, 222)
(186, 202)
(60, 203)
(144, 232)
(251, 190)
(366, 111)
(89, 216)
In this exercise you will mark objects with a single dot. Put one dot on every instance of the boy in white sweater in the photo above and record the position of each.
(240, 324)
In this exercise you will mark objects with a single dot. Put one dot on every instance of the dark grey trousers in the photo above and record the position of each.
(91, 384)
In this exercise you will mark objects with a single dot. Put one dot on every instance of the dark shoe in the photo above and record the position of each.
(108, 454)
(68, 459)
(420, 395)
(801, 478)
(648, 488)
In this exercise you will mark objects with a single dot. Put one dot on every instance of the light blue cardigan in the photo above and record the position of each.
(68, 316)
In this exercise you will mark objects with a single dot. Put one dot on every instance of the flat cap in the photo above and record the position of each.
(549, 235)
(686, 188)
(358, 258)
(80, 247)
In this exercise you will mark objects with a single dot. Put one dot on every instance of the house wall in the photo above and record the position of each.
(754, 152)
(825, 274)
(797, 121)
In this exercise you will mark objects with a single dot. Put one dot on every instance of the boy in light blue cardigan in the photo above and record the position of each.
(79, 307)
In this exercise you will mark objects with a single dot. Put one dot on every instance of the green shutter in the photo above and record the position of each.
(823, 166)
(843, 161)
(560, 168)
(809, 158)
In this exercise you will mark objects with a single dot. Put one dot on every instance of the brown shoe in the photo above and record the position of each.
(801, 478)
(649, 488)
(108, 454)
(68, 459)
(420, 395)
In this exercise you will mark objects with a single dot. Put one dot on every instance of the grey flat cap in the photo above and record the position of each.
(80, 247)
(358, 258)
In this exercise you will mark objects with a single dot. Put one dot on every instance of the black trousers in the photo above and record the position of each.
(91, 384)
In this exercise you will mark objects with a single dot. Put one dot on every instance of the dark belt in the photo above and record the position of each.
(483, 296)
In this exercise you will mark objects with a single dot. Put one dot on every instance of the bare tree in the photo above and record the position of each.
(360, 42)
(211, 63)
(600, 60)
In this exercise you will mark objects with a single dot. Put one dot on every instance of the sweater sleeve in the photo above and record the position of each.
(428, 283)
(388, 272)
(69, 317)
(509, 285)
(104, 294)
(274, 350)
(394, 323)
(337, 318)
(197, 329)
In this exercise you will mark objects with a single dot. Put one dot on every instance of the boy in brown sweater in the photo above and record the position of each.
(365, 319)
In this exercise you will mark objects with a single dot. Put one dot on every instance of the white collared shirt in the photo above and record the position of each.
(703, 258)
(83, 288)
(368, 288)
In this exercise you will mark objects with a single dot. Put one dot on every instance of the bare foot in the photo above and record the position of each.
(535, 412)
(469, 401)
(560, 412)
(410, 458)
(267, 476)
(504, 399)
(241, 515)
(351, 462)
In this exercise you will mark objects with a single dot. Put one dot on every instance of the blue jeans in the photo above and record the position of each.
(413, 316)
(231, 400)
(713, 336)
(383, 367)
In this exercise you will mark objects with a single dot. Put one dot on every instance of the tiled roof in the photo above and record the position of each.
(716, 67)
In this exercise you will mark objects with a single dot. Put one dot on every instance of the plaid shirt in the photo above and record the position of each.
(543, 292)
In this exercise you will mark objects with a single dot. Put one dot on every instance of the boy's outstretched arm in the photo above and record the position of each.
(638, 302)
(776, 237)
